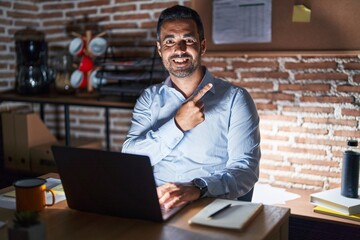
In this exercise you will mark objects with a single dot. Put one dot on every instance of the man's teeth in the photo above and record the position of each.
(180, 60)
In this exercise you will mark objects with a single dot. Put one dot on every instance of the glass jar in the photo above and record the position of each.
(62, 67)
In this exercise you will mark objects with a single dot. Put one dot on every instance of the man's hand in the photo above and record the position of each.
(176, 194)
(191, 113)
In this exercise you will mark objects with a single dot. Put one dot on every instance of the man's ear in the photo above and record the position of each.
(158, 48)
(203, 47)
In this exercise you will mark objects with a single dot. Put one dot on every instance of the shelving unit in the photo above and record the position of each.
(127, 70)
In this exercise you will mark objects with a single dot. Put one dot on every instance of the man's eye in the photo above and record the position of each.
(169, 42)
(189, 41)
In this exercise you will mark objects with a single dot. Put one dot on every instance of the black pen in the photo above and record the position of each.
(219, 211)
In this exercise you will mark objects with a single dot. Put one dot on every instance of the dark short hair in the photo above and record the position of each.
(178, 12)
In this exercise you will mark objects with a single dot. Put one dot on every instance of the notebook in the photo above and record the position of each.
(109, 183)
(224, 213)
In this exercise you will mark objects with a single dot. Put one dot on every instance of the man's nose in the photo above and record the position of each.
(181, 46)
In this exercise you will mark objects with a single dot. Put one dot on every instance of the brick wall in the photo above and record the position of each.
(308, 103)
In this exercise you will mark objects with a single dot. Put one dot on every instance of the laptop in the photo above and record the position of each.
(109, 183)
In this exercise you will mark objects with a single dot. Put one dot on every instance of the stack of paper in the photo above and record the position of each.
(331, 202)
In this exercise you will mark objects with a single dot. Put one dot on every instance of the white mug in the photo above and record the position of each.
(77, 46)
(97, 46)
(78, 79)
(95, 81)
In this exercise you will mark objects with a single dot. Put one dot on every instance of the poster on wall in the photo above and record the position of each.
(241, 21)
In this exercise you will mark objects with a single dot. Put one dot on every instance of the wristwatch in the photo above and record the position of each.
(201, 185)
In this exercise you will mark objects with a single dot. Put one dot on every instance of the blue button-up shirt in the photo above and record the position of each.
(224, 150)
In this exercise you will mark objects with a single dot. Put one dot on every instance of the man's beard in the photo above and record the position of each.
(183, 72)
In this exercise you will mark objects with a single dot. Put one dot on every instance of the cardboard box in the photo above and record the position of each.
(42, 159)
(30, 131)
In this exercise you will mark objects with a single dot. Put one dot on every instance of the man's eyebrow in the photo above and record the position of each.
(173, 36)
(189, 35)
(169, 36)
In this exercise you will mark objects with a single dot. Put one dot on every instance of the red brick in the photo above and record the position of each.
(317, 141)
(264, 175)
(330, 55)
(305, 161)
(149, 25)
(275, 137)
(321, 76)
(267, 75)
(266, 106)
(90, 121)
(347, 133)
(224, 74)
(311, 65)
(58, 5)
(357, 78)
(327, 99)
(265, 146)
(21, 23)
(215, 64)
(352, 66)
(331, 121)
(265, 126)
(24, 6)
(254, 85)
(308, 109)
(292, 129)
(94, 3)
(80, 13)
(321, 173)
(273, 96)
(348, 88)
(278, 118)
(127, 1)
(132, 17)
(119, 9)
(5, 4)
(302, 150)
(4, 21)
(121, 26)
(305, 87)
(350, 112)
(122, 114)
(275, 167)
(270, 65)
(157, 5)
(21, 15)
(272, 157)
(7, 74)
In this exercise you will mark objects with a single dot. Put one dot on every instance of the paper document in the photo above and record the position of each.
(267, 194)
(221, 214)
(7, 200)
(241, 21)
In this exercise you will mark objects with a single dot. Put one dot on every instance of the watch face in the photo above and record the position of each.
(199, 183)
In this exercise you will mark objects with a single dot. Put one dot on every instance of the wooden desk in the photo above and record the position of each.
(306, 224)
(64, 223)
(86, 100)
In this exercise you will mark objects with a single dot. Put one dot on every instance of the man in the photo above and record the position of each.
(201, 133)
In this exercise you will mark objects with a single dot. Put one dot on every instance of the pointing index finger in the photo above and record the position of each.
(202, 92)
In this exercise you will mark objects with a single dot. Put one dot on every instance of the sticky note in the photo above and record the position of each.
(301, 14)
